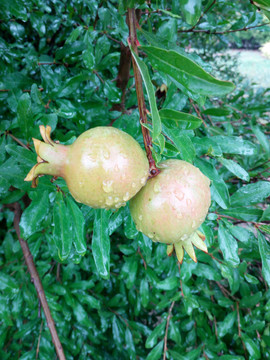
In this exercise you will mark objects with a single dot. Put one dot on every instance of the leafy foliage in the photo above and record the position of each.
(109, 288)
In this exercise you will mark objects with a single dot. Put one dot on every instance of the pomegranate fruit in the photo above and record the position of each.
(103, 168)
(171, 206)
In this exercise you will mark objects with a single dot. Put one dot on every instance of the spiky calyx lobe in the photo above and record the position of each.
(171, 207)
(51, 157)
(103, 168)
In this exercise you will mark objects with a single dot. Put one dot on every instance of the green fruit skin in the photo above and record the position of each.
(172, 205)
(105, 167)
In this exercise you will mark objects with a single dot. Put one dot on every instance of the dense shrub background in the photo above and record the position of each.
(59, 64)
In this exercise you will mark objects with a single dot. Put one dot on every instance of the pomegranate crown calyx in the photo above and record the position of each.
(42, 150)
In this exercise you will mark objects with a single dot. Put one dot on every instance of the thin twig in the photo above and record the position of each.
(37, 283)
(202, 15)
(97, 74)
(123, 73)
(141, 255)
(132, 23)
(197, 111)
(17, 140)
(39, 337)
(167, 328)
(28, 91)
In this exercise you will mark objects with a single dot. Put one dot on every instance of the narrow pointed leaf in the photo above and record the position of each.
(77, 221)
(101, 243)
(182, 143)
(186, 72)
(151, 95)
(33, 216)
(251, 194)
(192, 122)
(191, 10)
(62, 233)
(235, 169)
(228, 246)
(264, 249)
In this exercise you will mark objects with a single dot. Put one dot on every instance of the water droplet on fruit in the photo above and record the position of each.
(126, 196)
(184, 237)
(116, 199)
(109, 200)
(140, 217)
(157, 187)
(143, 180)
(179, 195)
(107, 186)
(118, 205)
(150, 235)
(133, 185)
(188, 202)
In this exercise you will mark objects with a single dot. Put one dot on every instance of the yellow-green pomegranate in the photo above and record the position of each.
(103, 168)
(171, 206)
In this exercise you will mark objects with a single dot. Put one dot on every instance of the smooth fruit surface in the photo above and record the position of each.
(172, 205)
(103, 168)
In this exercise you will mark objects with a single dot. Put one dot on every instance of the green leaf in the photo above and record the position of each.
(22, 155)
(191, 121)
(226, 325)
(130, 344)
(156, 122)
(263, 140)
(182, 143)
(235, 145)
(217, 112)
(101, 243)
(251, 300)
(174, 333)
(244, 213)
(8, 283)
(89, 300)
(186, 72)
(77, 221)
(155, 334)
(168, 284)
(262, 4)
(155, 354)
(34, 215)
(191, 10)
(264, 249)
(235, 169)
(62, 231)
(144, 292)
(252, 347)
(219, 189)
(24, 113)
(266, 214)
(228, 246)
(265, 228)
(251, 194)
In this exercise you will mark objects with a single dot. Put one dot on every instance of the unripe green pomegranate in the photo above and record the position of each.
(171, 206)
(103, 168)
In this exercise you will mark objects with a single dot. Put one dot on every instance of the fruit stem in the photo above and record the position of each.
(132, 23)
